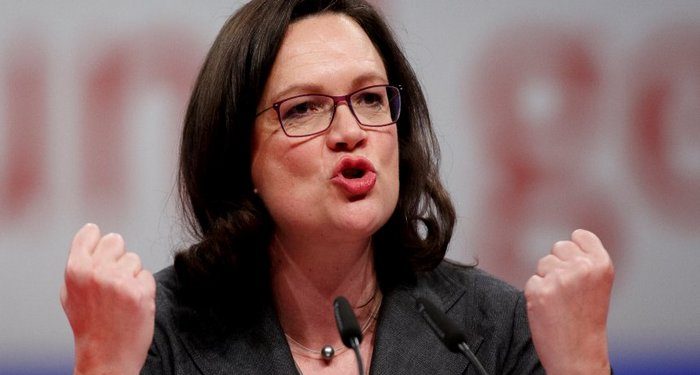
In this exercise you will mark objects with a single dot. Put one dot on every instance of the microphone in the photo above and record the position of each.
(447, 331)
(348, 328)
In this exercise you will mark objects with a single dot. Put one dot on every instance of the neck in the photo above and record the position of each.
(308, 276)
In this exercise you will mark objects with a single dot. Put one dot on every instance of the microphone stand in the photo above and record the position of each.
(349, 330)
(355, 344)
(464, 349)
(450, 335)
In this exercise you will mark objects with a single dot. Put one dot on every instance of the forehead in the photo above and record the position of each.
(328, 52)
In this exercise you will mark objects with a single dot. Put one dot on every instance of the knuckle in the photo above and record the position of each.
(533, 297)
(584, 265)
(543, 294)
(145, 298)
(152, 284)
(559, 244)
(537, 289)
(129, 295)
(145, 295)
(119, 284)
(134, 258)
(114, 241)
(559, 278)
(75, 274)
(115, 238)
(578, 233)
(546, 262)
(530, 287)
(563, 245)
(149, 284)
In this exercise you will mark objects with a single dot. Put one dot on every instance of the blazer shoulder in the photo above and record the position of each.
(490, 311)
(450, 274)
(166, 286)
(166, 278)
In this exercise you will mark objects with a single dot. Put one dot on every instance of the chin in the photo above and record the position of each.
(362, 222)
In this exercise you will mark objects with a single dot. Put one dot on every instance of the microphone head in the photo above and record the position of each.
(346, 321)
(443, 327)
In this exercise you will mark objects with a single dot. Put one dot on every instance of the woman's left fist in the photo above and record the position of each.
(567, 306)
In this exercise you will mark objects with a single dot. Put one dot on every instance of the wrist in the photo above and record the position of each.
(583, 366)
(581, 369)
(88, 362)
(102, 369)
(589, 358)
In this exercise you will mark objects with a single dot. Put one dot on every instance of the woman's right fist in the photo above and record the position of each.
(109, 300)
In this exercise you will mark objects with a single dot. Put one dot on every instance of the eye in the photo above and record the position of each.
(369, 99)
(299, 108)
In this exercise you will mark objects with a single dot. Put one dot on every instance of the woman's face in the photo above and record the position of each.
(341, 184)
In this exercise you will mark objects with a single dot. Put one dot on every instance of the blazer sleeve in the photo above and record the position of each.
(521, 357)
(165, 347)
(153, 365)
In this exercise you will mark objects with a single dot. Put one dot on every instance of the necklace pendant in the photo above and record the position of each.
(327, 352)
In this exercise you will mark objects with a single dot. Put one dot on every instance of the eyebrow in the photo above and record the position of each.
(315, 88)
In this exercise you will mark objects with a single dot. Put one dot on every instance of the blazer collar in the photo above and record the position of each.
(405, 343)
(261, 349)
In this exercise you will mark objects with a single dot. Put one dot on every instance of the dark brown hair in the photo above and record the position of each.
(230, 261)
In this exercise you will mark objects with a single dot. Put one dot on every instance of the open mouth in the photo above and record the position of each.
(353, 173)
(355, 176)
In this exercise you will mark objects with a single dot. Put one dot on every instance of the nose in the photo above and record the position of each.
(345, 133)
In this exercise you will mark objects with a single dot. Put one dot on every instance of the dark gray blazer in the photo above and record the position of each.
(491, 312)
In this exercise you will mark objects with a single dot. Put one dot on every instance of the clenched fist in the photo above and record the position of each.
(109, 300)
(567, 306)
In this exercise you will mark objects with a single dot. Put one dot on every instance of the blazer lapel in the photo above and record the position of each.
(259, 350)
(404, 343)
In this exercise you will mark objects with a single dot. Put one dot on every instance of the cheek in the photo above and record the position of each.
(396, 172)
(391, 162)
(282, 167)
(287, 180)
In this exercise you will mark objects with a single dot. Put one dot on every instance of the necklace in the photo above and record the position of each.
(328, 351)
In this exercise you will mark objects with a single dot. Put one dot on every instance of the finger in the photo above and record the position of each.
(533, 281)
(110, 247)
(588, 241)
(547, 264)
(566, 250)
(533, 287)
(591, 244)
(130, 262)
(85, 240)
(146, 280)
(63, 295)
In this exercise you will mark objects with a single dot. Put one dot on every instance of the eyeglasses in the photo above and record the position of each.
(310, 114)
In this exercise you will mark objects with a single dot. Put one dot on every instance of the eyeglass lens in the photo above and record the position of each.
(309, 114)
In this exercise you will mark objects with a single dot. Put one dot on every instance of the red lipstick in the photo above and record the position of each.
(354, 175)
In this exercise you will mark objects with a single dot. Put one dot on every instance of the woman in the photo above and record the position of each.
(309, 170)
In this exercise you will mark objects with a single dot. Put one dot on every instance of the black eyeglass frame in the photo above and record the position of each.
(336, 99)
